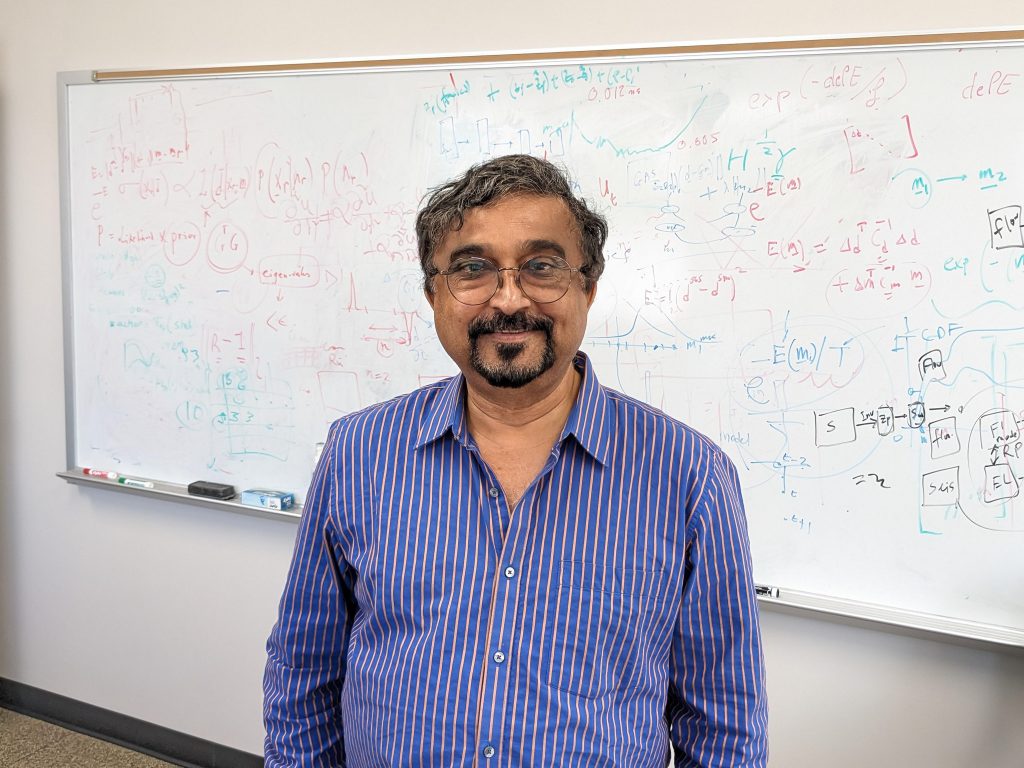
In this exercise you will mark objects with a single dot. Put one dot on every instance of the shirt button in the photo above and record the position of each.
(494, 493)
(510, 572)
(488, 751)
(499, 657)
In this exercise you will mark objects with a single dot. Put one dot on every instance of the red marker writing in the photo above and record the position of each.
(99, 473)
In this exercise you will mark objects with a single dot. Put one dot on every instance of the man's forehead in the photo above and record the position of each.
(544, 213)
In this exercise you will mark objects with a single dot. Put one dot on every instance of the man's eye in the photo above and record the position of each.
(470, 268)
(541, 266)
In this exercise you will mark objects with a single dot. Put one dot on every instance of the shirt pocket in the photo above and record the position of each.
(598, 631)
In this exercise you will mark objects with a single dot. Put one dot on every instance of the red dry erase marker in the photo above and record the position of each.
(99, 473)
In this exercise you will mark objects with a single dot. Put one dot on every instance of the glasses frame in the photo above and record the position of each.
(500, 282)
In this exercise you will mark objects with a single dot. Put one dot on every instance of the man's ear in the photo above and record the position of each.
(429, 294)
(591, 293)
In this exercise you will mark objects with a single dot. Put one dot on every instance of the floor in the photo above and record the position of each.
(29, 743)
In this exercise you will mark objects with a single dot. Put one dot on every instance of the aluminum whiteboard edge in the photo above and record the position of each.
(698, 49)
(64, 80)
(917, 623)
(175, 492)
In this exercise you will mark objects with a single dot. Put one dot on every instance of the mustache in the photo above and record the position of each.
(519, 322)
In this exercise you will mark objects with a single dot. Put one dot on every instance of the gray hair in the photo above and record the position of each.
(506, 176)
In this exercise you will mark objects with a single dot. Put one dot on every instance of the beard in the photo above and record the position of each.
(510, 371)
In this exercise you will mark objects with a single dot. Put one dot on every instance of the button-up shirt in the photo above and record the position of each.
(424, 623)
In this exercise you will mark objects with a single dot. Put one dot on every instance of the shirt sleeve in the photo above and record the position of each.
(306, 650)
(717, 708)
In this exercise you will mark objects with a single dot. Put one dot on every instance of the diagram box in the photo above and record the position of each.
(1000, 483)
(941, 487)
(834, 427)
(942, 437)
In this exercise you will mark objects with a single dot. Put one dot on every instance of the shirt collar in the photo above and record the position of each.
(586, 422)
(588, 419)
(446, 412)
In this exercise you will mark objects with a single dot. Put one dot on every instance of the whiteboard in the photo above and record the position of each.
(815, 258)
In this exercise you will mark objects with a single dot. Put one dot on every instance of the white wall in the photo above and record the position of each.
(160, 610)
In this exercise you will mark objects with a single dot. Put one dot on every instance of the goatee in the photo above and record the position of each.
(509, 371)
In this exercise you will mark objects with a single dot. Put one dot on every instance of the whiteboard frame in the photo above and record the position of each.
(64, 80)
(179, 493)
(710, 49)
(914, 623)
(784, 600)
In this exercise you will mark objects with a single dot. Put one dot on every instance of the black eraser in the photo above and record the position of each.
(212, 490)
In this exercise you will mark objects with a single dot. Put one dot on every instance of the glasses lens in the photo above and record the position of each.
(545, 278)
(472, 281)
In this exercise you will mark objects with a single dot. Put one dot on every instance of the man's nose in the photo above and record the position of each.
(509, 297)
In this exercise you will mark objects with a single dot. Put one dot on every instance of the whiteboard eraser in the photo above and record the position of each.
(260, 497)
(212, 490)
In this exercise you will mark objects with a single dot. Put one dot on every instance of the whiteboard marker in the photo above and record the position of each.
(762, 590)
(133, 483)
(99, 473)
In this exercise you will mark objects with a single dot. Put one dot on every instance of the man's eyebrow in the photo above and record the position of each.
(475, 250)
(535, 246)
(470, 250)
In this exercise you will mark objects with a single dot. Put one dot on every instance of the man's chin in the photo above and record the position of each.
(508, 376)
(508, 366)
(510, 352)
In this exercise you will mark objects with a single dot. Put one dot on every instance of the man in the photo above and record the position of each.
(516, 566)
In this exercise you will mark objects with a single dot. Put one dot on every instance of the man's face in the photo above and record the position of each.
(512, 341)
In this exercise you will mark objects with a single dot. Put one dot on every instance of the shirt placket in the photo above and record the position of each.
(509, 546)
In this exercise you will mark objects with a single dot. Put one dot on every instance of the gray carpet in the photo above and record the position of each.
(29, 743)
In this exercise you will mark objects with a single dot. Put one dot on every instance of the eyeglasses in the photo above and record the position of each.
(543, 280)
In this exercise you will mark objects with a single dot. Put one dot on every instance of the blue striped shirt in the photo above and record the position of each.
(426, 624)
